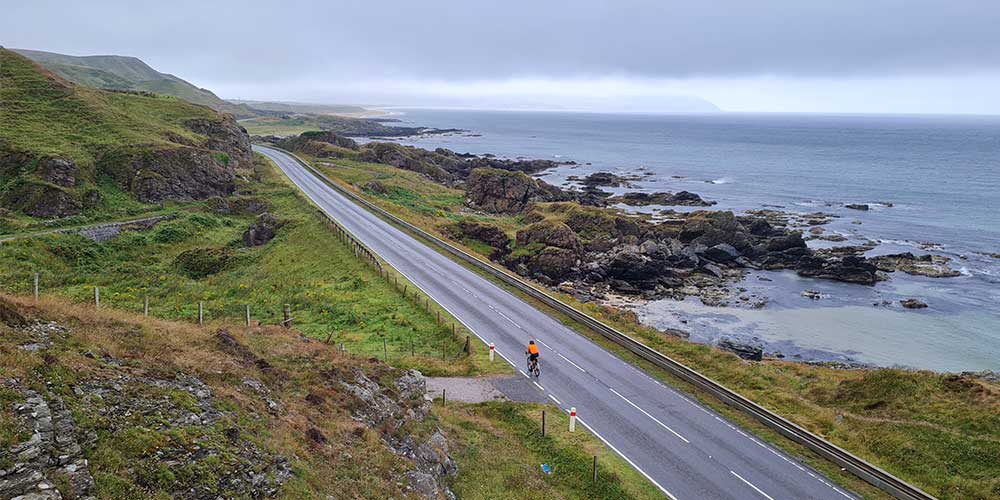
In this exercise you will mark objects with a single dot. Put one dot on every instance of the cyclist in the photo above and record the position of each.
(532, 355)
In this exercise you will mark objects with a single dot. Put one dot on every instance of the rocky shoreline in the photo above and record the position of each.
(575, 241)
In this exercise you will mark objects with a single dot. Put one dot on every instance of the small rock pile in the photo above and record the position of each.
(53, 452)
(377, 410)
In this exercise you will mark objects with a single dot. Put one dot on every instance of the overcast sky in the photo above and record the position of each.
(899, 56)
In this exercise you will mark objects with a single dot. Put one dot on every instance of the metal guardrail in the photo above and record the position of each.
(843, 458)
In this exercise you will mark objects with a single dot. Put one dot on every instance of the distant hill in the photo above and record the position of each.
(130, 73)
(306, 108)
(68, 149)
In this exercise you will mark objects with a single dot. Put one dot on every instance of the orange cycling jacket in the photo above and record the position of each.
(532, 349)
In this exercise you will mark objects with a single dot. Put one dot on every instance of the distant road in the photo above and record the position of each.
(686, 450)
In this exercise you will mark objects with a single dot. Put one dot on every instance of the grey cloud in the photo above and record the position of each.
(225, 41)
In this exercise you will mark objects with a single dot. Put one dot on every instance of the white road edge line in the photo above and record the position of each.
(572, 363)
(328, 214)
(758, 490)
(539, 386)
(553, 398)
(644, 412)
(627, 459)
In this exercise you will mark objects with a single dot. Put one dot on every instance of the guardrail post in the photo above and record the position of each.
(572, 419)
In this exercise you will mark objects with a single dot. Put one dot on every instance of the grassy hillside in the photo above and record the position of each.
(274, 399)
(130, 73)
(95, 133)
(939, 431)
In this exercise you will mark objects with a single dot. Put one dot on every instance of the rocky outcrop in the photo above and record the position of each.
(227, 136)
(58, 171)
(499, 191)
(850, 269)
(933, 266)
(179, 174)
(54, 452)
(263, 230)
(486, 232)
(680, 198)
(42, 200)
(377, 410)
(549, 233)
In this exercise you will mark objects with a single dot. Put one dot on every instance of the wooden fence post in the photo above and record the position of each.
(145, 305)
(201, 313)
(248, 314)
(36, 287)
(543, 423)
(385, 350)
(287, 313)
(97, 296)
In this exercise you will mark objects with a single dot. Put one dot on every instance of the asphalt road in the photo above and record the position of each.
(685, 449)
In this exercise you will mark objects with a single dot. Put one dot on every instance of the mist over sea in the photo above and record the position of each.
(940, 173)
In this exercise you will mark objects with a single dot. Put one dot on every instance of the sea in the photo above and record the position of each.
(932, 184)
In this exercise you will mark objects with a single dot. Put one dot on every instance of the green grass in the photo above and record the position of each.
(281, 127)
(501, 451)
(199, 256)
(940, 433)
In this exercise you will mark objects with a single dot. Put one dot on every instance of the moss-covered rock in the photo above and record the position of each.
(488, 233)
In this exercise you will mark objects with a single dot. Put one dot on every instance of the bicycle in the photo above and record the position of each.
(533, 368)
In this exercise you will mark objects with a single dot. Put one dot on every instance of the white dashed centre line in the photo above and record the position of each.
(758, 490)
(572, 363)
(644, 412)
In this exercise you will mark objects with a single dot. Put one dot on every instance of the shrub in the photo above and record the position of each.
(201, 262)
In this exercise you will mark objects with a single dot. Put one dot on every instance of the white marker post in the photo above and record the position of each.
(572, 419)
(492, 349)
(97, 296)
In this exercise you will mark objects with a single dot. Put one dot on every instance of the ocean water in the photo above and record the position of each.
(941, 175)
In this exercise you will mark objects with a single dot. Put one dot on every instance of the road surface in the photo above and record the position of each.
(685, 449)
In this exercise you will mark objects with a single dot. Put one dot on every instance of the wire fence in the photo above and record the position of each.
(452, 342)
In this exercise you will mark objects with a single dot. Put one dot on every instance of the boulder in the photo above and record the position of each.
(913, 304)
(745, 350)
(262, 230)
(785, 242)
(552, 262)
(723, 252)
(857, 206)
